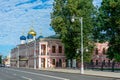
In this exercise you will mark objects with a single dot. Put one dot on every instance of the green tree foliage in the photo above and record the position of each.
(63, 10)
(108, 27)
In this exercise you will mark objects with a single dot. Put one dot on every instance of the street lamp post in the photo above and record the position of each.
(81, 22)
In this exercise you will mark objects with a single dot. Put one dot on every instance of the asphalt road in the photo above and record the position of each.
(31, 74)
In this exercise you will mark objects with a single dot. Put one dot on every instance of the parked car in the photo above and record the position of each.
(2, 65)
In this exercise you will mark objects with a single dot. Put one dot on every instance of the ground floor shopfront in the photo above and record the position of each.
(41, 62)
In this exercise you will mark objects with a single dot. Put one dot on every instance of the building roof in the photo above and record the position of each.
(29, 36)
(56, 36)
(32, 32)
(22, 37)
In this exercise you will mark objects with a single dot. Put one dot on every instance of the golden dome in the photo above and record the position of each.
(32, 32)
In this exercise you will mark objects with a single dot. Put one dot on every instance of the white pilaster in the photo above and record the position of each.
(40, 49)
(57, 48)
(39, 62)
(48, 62)
(46, 48)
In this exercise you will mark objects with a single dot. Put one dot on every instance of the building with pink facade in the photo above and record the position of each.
(99, 54)
(38, 52)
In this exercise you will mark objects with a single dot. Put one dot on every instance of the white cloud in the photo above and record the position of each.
(16, 19)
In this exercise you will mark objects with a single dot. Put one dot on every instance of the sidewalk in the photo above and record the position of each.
(88, 72)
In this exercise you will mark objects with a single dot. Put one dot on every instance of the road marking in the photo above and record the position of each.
(44, 75)
(26, 78)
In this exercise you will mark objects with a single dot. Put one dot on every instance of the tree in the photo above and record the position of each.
(63, 10)
(108, 27)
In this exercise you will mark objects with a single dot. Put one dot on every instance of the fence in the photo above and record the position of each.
(97, 65)
(103, 65)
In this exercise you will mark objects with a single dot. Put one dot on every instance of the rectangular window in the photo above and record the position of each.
(53, 61)
(43, 49)
(53, 49)
(104, 51)
(96, 51)
(60, 49)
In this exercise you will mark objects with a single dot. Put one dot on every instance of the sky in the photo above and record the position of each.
(17, 17)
